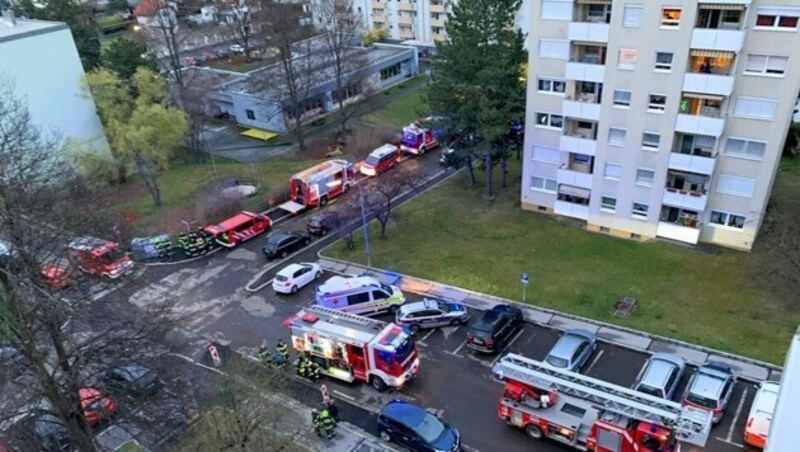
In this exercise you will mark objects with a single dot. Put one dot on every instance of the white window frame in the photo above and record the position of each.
(627, 65)
(664, 67)
(654, 107)
(746, 143)
(609, 207)
(550, 10)
(671, 23)
(727, 219)
(620, 142)
(743, 180)
(545, 182)
(550, 117)
(772, 66)
(552, 81)
(638, 213)
(622, 105)
(559, 56)
(778, 12)
(763, 117)
(612, 165)
(645, 183)
(633, 16)
(651, 146)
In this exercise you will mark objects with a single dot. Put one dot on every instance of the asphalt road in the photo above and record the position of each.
(212, 298)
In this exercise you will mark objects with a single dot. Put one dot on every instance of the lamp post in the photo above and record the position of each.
(364, 226)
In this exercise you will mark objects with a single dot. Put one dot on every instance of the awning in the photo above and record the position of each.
(721, 6)
(704, 96)
(712, 54)
(573, 191)
(590, 43)
(259, 134)
(594, 2)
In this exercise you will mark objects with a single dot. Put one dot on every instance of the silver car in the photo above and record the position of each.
(572, 350)
(661, 375)
(430, 313)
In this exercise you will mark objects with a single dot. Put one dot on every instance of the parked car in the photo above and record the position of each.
(710, 388)
(416, 428)
(382, 159)
(237, 48)
(131, 380)
(323, 222)
(495, 328)
(430, 313)
(760, 417)
(661, 375)
(572, 350)
(97, 407)
(51, 433)
(281, 244)
(295, 276)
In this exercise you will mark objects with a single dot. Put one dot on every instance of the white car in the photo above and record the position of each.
(755, 431)
(237, 48)
(295, 276)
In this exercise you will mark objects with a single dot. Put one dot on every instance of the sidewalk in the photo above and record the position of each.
(746, 368)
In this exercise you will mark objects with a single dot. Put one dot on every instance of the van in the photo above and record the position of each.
(239, 228)
(380, 160)
(363, 295)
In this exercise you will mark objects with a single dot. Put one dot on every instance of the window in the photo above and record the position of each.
(755, 108)
(765, 64)
(657, 103)
(551, 85)
(727, 219)
(778, 17)
(622, 98)
(645, 177)
(548, 155)
(650, 140)
(612, 171)
(605, 229)
(640, 210)
(251, 115)
(554, 48)
(632, 17)
(347, 92)
(738, 147)
(556, 10)
(670, 17)
(608, 204)
(627, 58)
(663, 61)
(616, 136)
(544, 184)
(549, 120)
(736, 186)
(390, 71)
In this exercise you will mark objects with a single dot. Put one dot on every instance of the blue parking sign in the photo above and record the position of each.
(525, 279)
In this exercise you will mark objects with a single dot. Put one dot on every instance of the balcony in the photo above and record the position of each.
(689, 200)
(686, 190)
(437, 23)
(440, 37)
(405, 6)
(719, 85)
(569, 209)
(585, 71)
(711, 62)
(691, 163)
(677, 232)
(578, 144)
(377, 6)
(407, 34)
(574, 177)
(721, 16)
(596, 12)
(437, 7)
(379, 18)
(724, 40)
(583, 109)
(405, 20)
(588, 32)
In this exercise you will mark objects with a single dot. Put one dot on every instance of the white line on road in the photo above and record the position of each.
(739, 445)
(639, 375)
(521, 330)
(478, 360)
(422, 341)
(343, 395)
(455, 352)
(736, 416)
(596, 358)
(468, 448)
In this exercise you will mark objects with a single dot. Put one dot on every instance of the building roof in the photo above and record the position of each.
(23, 28)
(148, 8)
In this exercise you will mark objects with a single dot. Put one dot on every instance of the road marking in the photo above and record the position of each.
(422, 341)
(521, 330)
(455, 352)
(346, 396)
(596, 358)
(478, 360)
(739, 445)
(469, 448)
(736, 416)
(641, 371)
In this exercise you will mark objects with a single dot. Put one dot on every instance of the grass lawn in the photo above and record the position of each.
(399, 112)
(454, 235)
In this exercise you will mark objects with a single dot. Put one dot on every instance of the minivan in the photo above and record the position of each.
(416, 428)
(363, 295)
(380, 160)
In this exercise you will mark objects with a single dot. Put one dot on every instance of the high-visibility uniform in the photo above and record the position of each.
(283, 349)
(264, 355)
(328, 423)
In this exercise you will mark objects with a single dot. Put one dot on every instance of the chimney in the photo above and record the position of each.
(8, 14)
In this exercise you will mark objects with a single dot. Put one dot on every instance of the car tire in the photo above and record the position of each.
(324, 232)
(306, 242)
(414, 328)
(456, 322)
(323, 201)
(294, 289)
(421, 151)
(317, 276)
(283, 255)
(347, 188)
(377, 383)
(385, 437)
(393, 308)
(533, 431)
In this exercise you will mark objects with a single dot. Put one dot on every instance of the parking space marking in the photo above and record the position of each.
(737, 414)
(422, 341)
(455, 352)
(722, 440)
(343, 395)
(510, 343)
(594, 361)
(478, 360)
(641, 371)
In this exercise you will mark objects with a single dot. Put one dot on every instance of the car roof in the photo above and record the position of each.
(404, 412)
(708, 382)
(419, 306)
(384, 150)
(278, 236)
(766, 398)
(289, 269)
(566, 345)
(658, 370)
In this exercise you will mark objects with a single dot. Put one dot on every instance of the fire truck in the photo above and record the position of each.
(417, 140)
(590, 414)
(319, 184)
(355, 348)
(99, 257)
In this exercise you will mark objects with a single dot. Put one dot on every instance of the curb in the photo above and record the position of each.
(710, 351)
(185, 261)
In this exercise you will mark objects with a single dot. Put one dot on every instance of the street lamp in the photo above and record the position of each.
(364, 225)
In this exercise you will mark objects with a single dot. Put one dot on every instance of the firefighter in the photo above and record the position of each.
(302, 366)
(283, 349)
(328, 423)
(313, 370)
(316, 422)
(224, 237)
(277, 361)
(332, 409)
(264, 354)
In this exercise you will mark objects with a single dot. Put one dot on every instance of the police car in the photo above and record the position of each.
(430, 313)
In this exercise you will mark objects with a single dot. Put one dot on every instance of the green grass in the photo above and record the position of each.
(454, 235)
(399, 112)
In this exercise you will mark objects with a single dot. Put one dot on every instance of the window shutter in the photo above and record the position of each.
(737, 186)
(755, 63)
(778, 11)
(545, 154)
(633, 16)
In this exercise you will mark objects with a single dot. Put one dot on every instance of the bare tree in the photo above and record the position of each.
(237, 15)
(380, 197)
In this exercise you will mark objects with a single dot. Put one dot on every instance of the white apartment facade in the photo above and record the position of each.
(659, 118)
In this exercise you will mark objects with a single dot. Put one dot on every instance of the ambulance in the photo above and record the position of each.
(363, 295)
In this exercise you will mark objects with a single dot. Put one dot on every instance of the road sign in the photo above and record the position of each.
(525, 279)
(325, 396)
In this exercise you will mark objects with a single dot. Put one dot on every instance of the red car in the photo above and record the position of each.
(380, 160)
(97, 407)
(239, 228)
(57, 277)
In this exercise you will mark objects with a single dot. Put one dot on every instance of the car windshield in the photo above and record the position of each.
(485, 323)
(409, 136)
(387, 288)
(404, 350)
(372, 160)
(315, 220)
(430, 428)
(280, 278)
(650, 390)
(702, 401)
(555, 361)
(444, 307)
(273, 241)
(112, 256)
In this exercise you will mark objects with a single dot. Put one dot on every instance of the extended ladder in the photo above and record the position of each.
(690, 424)
(332, 315)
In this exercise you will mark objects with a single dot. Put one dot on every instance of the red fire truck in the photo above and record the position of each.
(355, 348)
(99, 257)
(590, 414)
(319, 184)
(418, 140)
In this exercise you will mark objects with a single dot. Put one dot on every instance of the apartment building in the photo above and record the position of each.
(660, 118)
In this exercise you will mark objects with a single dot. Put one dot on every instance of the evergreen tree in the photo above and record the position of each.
(475, 82)
(123, 56)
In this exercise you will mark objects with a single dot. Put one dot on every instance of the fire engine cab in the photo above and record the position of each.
(319, 184)
(417, 140)
(355, 348)
(590, 414)
(99, 257)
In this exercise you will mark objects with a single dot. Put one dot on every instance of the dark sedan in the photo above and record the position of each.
(132, 380)
(281, 244)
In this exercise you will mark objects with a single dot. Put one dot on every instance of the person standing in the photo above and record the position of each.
(282, 348)
(333, 409)
(264, 354)
(328, 423)
(315, 422)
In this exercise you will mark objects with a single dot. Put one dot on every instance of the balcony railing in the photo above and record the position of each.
(678, 232)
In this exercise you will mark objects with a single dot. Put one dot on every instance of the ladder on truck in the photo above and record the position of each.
(332, 315)
(691, 425)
